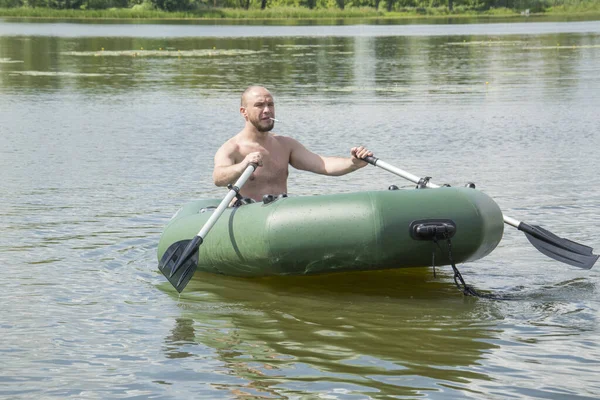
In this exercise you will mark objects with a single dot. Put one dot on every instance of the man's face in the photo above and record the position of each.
(259, 109)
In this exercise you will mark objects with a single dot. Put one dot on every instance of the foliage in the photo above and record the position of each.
(575, 7)
(286, 8)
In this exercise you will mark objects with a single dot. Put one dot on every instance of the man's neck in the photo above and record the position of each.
(251, 133)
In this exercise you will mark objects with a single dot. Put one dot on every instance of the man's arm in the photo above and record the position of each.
(226, 170)
(303, 159)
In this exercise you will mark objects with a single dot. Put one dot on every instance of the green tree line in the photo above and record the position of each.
(418, 6)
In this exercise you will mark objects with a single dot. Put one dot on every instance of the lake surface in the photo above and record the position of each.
(107, 129)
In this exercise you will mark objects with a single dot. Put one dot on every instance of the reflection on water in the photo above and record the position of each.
(401, 333)
(394, 68)
(362, 333)
(107, 130)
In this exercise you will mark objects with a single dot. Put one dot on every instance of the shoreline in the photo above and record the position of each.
(279, 14)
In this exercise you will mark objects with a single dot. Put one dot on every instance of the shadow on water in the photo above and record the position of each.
(378, 334)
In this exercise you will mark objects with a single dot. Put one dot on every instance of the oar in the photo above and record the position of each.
(180, 260)
(560, 249)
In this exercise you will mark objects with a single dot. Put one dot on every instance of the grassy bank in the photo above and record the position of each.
(233, 13)
(281, 13)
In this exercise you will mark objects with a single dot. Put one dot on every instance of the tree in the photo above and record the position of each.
(171, 5)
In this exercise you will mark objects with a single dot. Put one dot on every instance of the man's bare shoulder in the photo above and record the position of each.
(231, 145)
(228, 152)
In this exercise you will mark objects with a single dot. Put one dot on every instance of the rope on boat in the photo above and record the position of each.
(458, 279)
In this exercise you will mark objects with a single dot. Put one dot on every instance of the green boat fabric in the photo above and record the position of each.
(338, 232)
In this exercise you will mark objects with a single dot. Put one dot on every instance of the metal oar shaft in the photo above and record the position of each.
(226, 201)
(397, 171)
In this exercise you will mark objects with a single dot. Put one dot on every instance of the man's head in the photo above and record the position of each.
(258, 108)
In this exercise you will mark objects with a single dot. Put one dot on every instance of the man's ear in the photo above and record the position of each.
(244, 112)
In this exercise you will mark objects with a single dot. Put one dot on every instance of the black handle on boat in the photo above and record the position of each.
(180, 260)
(560, 249)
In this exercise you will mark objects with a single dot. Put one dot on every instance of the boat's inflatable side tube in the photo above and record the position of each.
(343, 232)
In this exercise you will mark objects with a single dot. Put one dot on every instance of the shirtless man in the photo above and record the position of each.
(272, 153)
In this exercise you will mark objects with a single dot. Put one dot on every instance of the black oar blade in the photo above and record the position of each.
(560, 249)
(561, 242)
(179, 263)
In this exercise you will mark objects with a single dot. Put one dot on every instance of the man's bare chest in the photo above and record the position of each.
(275, 160)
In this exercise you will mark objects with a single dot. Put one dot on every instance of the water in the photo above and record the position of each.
(107, 129)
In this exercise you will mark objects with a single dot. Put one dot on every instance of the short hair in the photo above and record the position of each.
(248, 90)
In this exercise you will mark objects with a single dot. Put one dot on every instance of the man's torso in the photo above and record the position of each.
(271, 177)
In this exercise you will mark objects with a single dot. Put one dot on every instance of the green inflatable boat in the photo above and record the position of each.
(341, 232)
